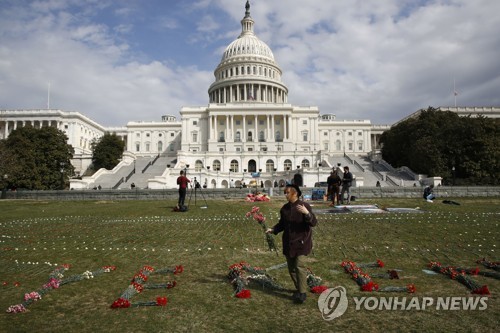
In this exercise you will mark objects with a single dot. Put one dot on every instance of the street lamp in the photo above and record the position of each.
(453, 174)
(62, 164)
(319, 166)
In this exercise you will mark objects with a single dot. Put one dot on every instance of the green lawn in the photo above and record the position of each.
(37, 235)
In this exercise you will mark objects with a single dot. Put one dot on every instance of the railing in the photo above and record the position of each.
(390, 180)
(359, 166)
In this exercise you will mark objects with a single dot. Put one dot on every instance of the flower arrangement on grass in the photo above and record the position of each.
(495, 265)
(362, 279)
(241, 274)
(459, 276)
(56, 280)
(257, 197)
(391, 274)
(257, 215)
(314, 283)
(138, 285)
(409, 289)
(378, 263)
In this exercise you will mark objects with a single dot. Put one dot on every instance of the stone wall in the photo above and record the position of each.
(208, 194)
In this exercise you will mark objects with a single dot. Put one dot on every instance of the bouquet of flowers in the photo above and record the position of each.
(138, 284)
(240, 279)
(362, 279)
(461, 277)
(256, 214)
(409, 288)
(377, 263)
(489, 264)
(315, 283)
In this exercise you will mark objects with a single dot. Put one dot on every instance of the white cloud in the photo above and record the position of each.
(378, 60)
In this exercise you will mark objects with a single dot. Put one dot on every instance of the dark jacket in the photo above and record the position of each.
(296, 227)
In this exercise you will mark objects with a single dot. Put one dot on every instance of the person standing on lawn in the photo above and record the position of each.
(182, 181)
(296, 222)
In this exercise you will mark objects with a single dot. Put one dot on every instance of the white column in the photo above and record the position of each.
(244, 134)
(256, 134)
(273, 137)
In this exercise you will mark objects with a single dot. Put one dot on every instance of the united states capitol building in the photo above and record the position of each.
(248, 133)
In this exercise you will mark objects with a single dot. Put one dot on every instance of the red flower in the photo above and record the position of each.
(380, 263)
(178, 269)
(171, 284)
(370, 286)
(111, 268)
(137, 286)
(148, 268)
(5, 283)
(161, 301)
(17, 284)
(318, 289)
(411, 288)
(482, 291)
(474, 271)
(245, 293)
(120, 303)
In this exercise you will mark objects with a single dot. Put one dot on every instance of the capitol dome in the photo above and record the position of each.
(247, 71)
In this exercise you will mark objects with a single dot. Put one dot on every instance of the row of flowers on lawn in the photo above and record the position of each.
(242, 274)
(55, 281)
(138, 284)
(461, 275)
(365, 281)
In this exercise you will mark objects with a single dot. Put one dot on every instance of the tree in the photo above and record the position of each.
(440, 143)
(107, 151)
(36, 159)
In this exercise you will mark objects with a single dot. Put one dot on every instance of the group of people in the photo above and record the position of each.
(338, 187)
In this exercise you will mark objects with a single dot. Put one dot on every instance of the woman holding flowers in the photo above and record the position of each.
(296, 222)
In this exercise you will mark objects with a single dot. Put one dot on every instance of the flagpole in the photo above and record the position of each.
(48, 97)
(455, 92)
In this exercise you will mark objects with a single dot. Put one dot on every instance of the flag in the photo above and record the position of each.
(455, 93)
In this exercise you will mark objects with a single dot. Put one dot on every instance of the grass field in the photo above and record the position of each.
(36, 236)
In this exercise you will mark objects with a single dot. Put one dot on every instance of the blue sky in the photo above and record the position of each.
(127, 60)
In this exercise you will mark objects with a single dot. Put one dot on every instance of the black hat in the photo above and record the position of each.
(297, 189)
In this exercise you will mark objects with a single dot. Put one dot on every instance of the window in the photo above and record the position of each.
(264, 148)
(148, 135)
(325, 133)
(349, 133)
(269, 166)
(195, 122)
(304, 136)
(249, 122)
(172, 134)
(277, 122)
(360, 133)
(305, 163)
(147, 146)
(250, 149)
(238, 137)
(216, 165)
(198, 165)
(137, 147)
(138, 135)
(350, 145)
(238, 122)
(221, 137)
(338, 145)
(65, 126)
(221, 122)
(171, 147)
(221, 149)
(249, 136)
(195, 136)
(234, 166)
(304, 122)
(261, 136)
(160, 146)
(325, 146)
(261, 122)
(287, 165)
(238, 149)
(278, 136)
(360, 145)
(160, 135)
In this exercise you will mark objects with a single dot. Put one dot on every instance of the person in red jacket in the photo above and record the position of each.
(182, 181)
(296, 222)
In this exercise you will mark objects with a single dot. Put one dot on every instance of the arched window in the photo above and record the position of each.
(160, 146)
(235, 166)
(269, 166)
(216, 165)
(221, 137)
(249, 136)
(278, 136)
(287, 165)
(198, 165)
(252, 166)
(305, 163)
(238, 137)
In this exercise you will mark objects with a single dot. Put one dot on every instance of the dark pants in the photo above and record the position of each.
(298, 272)
(182, 196)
